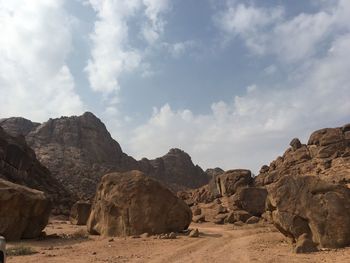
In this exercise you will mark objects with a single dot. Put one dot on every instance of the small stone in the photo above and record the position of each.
(194, 233)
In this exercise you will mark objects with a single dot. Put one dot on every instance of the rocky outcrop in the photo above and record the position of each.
(131, 204)
(18, 164)
(24, 212)
(17, 126)
(229, 182)
(176, 170)
(80, 213)
(326, 155)
(311, 211)
(251, 199)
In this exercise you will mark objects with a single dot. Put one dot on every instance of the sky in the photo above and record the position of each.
(231, 82)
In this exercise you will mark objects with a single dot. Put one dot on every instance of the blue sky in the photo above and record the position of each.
(229, 81)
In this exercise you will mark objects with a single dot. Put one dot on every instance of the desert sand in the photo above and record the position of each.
(217, 243)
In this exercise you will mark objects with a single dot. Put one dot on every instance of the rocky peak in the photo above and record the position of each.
(176, 168)
(78, 150)
(18, 126)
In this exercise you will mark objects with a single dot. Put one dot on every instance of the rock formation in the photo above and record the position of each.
(24, 212)
(79, 150)
(80, 213)
(229, 182)
(19, 165)
(308, 190)
(309, 208)
(327, 155)
(131, 204)
(176, 170)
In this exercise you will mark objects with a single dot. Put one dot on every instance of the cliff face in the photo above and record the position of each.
(18, 164)
(79, 150)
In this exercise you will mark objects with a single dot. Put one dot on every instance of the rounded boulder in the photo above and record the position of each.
(132, 203)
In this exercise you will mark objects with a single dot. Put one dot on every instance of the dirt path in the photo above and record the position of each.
(259, 243)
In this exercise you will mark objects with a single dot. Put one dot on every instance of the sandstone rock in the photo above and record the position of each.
(221, 210)
(196, 211)
(198, 218)
(326, 156)
(194, 233)
(18, 164)
(131, 203)
(241, 215)
(305, 245)
(176, 170)
(230, 219)
(24, 212)
(229, 182)
(220, 219)
(308, 205)
(18, 126)
(80, 213)
(200, 195)
(251, 199)
(295, 143)
(253, 220)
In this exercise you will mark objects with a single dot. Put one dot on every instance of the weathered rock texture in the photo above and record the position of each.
(327, 155)
(251, 199)
(19, 165)
(131, 204)
(310, 207)
(80, 213)
(176, 170)
(24, 212)
(229, 182)
(79, 150)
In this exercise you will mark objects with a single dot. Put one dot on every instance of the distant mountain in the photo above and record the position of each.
(79, 150)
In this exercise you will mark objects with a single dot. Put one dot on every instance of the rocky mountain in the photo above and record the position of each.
(79, 150)
(176, 169)
(18, 164)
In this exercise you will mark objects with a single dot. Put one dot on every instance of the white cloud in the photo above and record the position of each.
(110, 54)
(178, 49)
(155, 24)
(270, 31)
(254, 128)
(35, 80)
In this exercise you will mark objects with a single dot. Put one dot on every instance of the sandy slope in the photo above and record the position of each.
(259, 243)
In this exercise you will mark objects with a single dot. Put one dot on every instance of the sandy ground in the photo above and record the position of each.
(217, 243)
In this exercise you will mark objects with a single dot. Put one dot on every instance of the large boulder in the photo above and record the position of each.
(80, 213)
(251, 199)
(131, 203)
(229, 182)
(312, 208)
(24, 212)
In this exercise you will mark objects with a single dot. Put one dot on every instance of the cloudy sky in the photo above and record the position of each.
(230, 82)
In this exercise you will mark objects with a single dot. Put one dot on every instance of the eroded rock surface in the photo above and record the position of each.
(309, 206)
(24, 212)
(18, 164)
(131, 204)
(326, 155)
